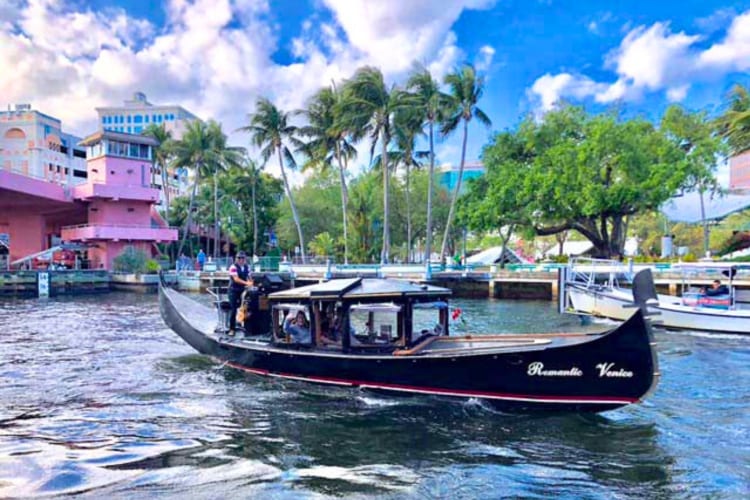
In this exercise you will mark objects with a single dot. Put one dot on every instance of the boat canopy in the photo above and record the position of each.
(391, 308)
(360, 289)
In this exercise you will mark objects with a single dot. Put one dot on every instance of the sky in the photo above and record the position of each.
(216, 57)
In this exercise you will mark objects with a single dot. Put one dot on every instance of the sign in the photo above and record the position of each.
(43, 284)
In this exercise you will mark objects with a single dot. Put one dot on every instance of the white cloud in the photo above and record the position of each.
(733, 53)
(653, 59)
(484, 60)
(214, 57)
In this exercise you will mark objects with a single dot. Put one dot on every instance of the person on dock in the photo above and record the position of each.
(239, 278)
(201, 258)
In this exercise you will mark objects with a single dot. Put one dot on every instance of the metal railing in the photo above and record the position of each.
(119, 226)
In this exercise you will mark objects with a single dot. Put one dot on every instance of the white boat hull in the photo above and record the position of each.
(608, 303)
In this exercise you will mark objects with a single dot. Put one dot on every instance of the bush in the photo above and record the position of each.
(131, 260)
(152, 267)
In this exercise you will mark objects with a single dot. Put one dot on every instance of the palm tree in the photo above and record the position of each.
(407, 127)
(368, 107)
(328, 142)
(271, 132)
(433, 105)
(226, 157)
(162, 155)
(203, 149)
(734, 124)
(466, 88)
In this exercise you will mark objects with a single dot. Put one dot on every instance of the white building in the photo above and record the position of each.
(135, 115)
(33, 144)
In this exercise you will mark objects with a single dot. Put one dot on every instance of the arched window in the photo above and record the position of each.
(15, 133)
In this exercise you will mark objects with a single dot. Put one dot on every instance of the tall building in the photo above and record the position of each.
(137, 113)
(33, 144)
(739, 171)
(119, 197)
(448, 175)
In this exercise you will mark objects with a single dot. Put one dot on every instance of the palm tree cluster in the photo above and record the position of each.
(392, 120)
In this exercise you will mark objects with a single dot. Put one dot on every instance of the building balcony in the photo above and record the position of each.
(114, 192)
(118, 232)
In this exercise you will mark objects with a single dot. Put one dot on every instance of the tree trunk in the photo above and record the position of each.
(428, 235)
(216, 252)
(454, 199)
(408, 212)
(294, 207)
(385, 252)
(705, 224)
(190, 210)
(344, 203)
(255, 214)
(505, 239)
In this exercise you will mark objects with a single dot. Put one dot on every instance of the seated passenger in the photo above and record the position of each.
(716, 289)
(297, 327)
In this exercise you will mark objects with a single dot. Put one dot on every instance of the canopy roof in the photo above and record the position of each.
(360, 288)
(688, 208)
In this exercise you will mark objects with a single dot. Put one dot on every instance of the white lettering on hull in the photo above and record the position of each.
(608, 370)
(536, 369)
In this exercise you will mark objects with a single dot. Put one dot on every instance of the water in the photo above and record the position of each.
(98, 398)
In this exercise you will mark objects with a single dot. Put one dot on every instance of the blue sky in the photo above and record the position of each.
(215, 57)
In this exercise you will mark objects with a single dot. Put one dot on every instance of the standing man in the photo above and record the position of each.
(239, 278)
(201, 258)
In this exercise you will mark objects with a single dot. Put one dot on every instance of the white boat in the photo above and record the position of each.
(598, 288)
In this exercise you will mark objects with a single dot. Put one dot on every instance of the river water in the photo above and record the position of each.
(99, 398)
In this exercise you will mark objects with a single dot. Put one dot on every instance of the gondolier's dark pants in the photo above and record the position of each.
(235, 298)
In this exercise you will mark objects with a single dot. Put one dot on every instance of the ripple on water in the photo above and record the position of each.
(100, 398)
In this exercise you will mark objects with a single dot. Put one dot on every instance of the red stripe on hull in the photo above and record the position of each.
(439, 391)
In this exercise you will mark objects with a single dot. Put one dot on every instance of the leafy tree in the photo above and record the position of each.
(368, 108)
(323, 245)
(466, 88)
(432, 104)
(202, 148)
(271, 132)
(734, 124)
(365, 215)
(328, 141)
(587, 173)
(694, 134)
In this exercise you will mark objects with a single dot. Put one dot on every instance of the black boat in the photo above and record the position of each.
(393, 336)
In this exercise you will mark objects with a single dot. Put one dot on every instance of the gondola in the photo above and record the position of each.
(393, 336)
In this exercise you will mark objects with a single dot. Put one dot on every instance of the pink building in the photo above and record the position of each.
(739, 171)
(119, 198)
(112, 210)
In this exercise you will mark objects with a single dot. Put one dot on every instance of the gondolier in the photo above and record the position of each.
(239, 278)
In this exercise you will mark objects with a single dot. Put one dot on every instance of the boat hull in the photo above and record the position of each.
(608, 303)
(565, 372)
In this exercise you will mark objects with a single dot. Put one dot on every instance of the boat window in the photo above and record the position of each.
(374, 324)
(295, 331)
(427, 318)
(329, 324)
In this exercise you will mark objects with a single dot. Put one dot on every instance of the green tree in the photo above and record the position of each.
(368, 108)
(694, 135)
(202, 149)
(432, 105)
(466, 88)
(271, 132)
(162, 157)
(328, 141)
(323, 245)
(734, 124)
(587, 173)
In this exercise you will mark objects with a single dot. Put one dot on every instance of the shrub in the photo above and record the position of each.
(152, 266)
(131, 260)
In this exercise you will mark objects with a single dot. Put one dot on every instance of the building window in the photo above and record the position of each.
(129, 131)
(129, 118)
(145, 118)
(138, 129)
(137, 119)
(104, 120)
(131, 209)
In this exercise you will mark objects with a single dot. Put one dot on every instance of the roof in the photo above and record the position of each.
(118, 136)
(573, 248)
(687, 208)
(360, 288)
(494, 255)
